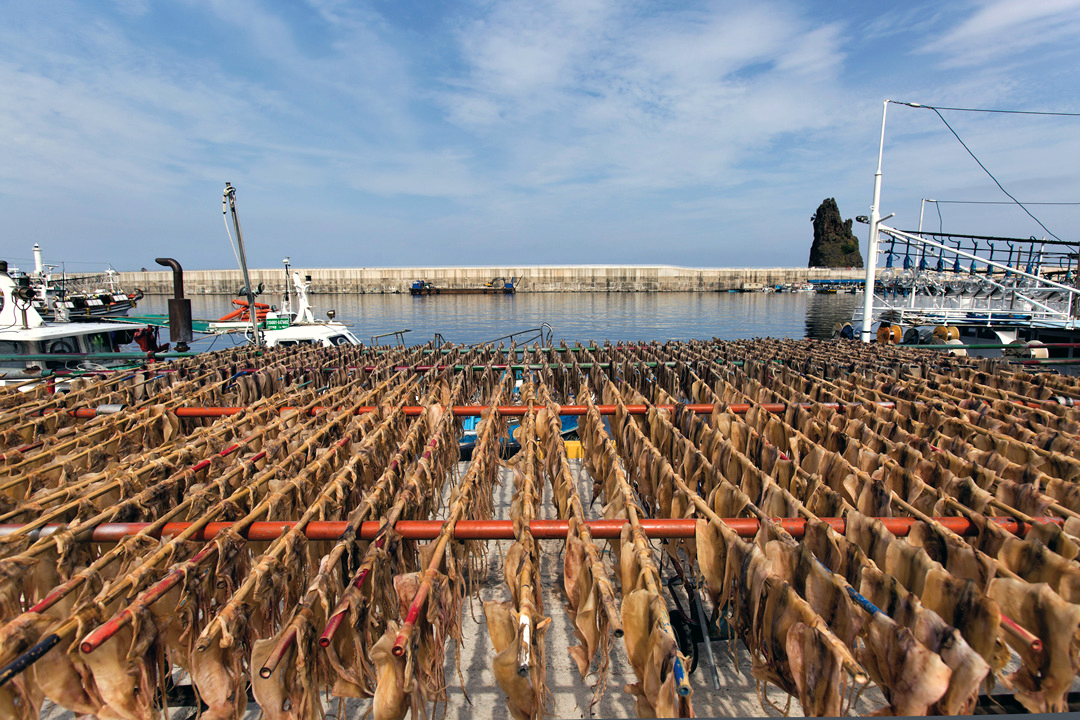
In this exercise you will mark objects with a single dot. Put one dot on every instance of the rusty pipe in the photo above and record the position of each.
(504, 529)
(177, 276)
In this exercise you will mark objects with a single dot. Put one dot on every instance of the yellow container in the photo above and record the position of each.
(573, 450)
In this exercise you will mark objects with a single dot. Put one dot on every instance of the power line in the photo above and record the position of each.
(990, 174)
(987, 110)
(994, 202)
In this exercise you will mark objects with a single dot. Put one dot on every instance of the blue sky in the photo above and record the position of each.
(395, 133)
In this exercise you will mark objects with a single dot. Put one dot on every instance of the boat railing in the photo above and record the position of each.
(940, 283)
(82, 284)
(398, 334)
(542, 334)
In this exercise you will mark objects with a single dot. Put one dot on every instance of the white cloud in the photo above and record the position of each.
(641, 100)
(514, 131)
(1000, 28)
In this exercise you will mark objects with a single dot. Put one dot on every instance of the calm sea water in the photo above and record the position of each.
(572, 316)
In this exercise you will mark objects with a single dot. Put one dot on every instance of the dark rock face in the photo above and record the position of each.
(834, 243)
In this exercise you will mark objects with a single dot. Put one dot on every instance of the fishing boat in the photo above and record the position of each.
(1005, 295)
(508, 445)
(74, 298)
(495, 286)
(832, 287)
(31, 348)
(292, 324)
(263, 324)
(929, 289)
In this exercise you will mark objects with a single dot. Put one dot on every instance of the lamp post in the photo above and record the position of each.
(287, 304)
(872, 249)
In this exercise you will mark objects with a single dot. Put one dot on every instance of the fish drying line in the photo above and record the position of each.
(912, 519)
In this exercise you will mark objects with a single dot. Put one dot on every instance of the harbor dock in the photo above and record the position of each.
(528, 279)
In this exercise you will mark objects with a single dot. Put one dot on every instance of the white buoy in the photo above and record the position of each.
(957, 352)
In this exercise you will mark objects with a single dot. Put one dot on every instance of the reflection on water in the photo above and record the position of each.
(574, 316)
(823, 312)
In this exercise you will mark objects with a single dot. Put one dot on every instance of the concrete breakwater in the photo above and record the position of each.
(535, 278)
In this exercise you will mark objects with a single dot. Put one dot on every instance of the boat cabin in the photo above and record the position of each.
(24, 333)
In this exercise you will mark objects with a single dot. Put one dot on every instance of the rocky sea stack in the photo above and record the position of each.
(834, 243)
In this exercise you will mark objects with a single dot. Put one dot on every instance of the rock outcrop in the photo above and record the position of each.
(834, 243)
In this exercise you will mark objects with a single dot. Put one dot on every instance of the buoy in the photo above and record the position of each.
(1038, 352)
(889, 334)
(844, 331)
(244, 313)
(956, 352)
(1032, 350)
(947, 332)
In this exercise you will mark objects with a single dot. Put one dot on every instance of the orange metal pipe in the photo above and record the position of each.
(504, 529)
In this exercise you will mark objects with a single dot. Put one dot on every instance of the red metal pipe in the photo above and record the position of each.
(58, 593)
(504, 529)
(1021, 634)
(103, 632)
(279, 652)
(414, 612)
(336, 619)
(7, 456)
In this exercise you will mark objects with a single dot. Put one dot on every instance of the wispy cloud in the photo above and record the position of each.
(1000, 28)
(600, 91)
(517, 131)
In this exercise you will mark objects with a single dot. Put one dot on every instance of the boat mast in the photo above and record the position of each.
(230, 196)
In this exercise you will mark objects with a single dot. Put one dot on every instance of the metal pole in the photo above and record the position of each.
(965, 254)
(655, 528)
(230, 193)
(872, 247)
(1074, 306)
(288, 296)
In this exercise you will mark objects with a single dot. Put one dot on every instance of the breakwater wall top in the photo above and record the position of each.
(534, 278)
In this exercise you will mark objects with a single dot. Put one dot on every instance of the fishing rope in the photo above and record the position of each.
(976, 159)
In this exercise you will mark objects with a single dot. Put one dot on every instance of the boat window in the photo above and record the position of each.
(10, 347)
(339, 340)
(98, 343)
(286, 343)
(61, 346)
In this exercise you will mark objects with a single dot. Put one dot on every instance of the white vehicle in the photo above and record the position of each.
(23, 332)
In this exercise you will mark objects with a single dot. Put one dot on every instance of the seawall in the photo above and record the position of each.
(535, 278)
